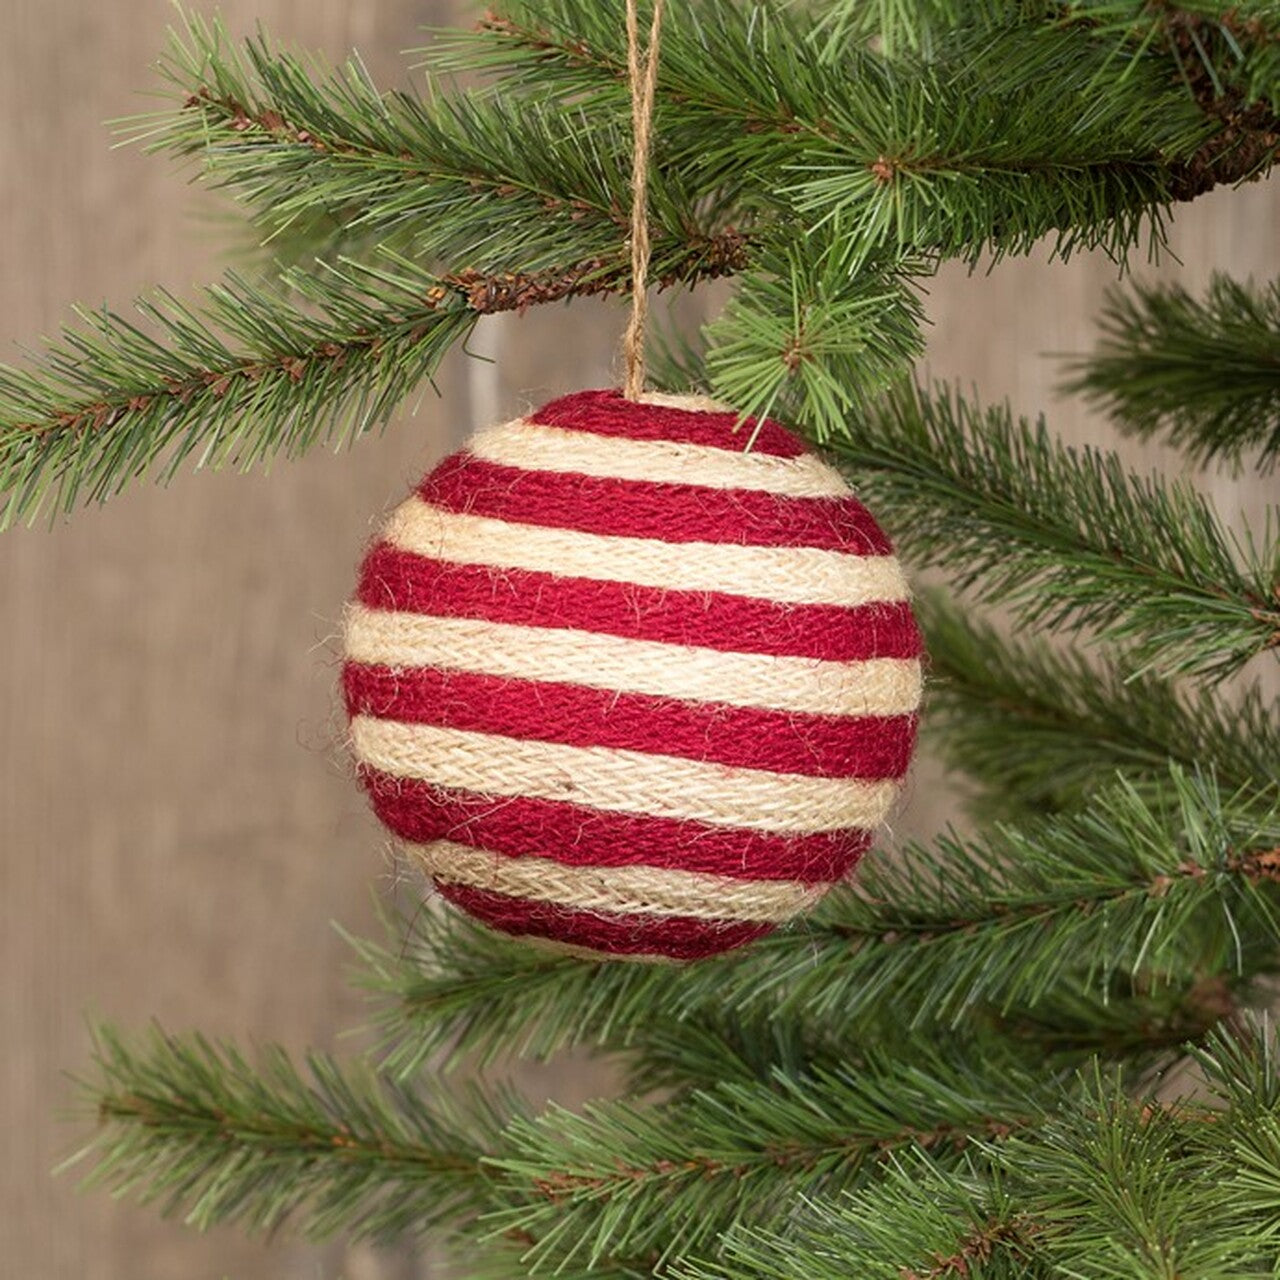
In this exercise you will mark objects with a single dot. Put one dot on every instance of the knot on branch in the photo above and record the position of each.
(794, 353)
(723, 253)
(493, 23)
(237, 117)
(1258, 867)
(884, 170)
(975, 1249)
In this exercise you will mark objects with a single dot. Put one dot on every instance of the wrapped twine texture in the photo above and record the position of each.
(619, 684)
(642, 75)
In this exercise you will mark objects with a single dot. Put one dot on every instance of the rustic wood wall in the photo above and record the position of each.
(177, 830)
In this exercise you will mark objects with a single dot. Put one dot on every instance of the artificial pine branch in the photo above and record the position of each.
(448, 991)
(923, 1219)
(1067, 537)
(481, 184)
(1243, 1073)
(1109, 1185)
(1203, 373)
(194, 1127)
(1115, 57)
(661, 1181)
(912, 30)
(1145, 1022)
(721, 1047)
(1181, 885)
(460, 176)
(1040, 728)
(247, 376)
(902, 155)
(1136, 1189)
(800, 322)
(1142, 1022)
(1228, 58)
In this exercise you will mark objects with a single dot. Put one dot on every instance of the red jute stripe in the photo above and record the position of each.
(677, 937)
(644, 509)
(821, 746)
(523, 826)
(400, 580)
(607, 413)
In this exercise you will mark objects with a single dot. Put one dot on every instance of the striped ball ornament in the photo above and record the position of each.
(619, 682)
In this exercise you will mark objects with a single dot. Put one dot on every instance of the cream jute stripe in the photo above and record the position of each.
(618, 780)
(535, 447)
(871, 687)
(789, 575)
(690, 403)
(649, 891)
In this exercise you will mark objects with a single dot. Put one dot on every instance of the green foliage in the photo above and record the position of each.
(945, 1159)
(1098, 1179)
(1067, 537)
(850, 169)
(1143, 1020)
(739, 75)
(798, 322)
(480, 183)
(1040, 728)
(662, 1181)
(246, 377)
(196, 1128)
(971, 158)
(1128, 886)
(1092, 1191)
(1228, 53)
(1244, 1076)
(910, 27)
(1203, 374)
(825, 174)
(921, 1219)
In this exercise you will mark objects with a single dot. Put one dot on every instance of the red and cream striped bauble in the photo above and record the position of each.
(617, 681)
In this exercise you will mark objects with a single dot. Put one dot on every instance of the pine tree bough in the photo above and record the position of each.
(709, 258)
(999, 502)
(1039, 730)
(1246, 145)
(559, 1186)
(1202, 372)
(960, 1065)
(237, 117)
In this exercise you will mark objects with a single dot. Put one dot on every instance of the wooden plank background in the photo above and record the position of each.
(177, 828)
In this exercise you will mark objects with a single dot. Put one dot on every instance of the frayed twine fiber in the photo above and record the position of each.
(620, 685)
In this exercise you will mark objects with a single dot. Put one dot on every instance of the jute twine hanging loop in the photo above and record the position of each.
(642, 72)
